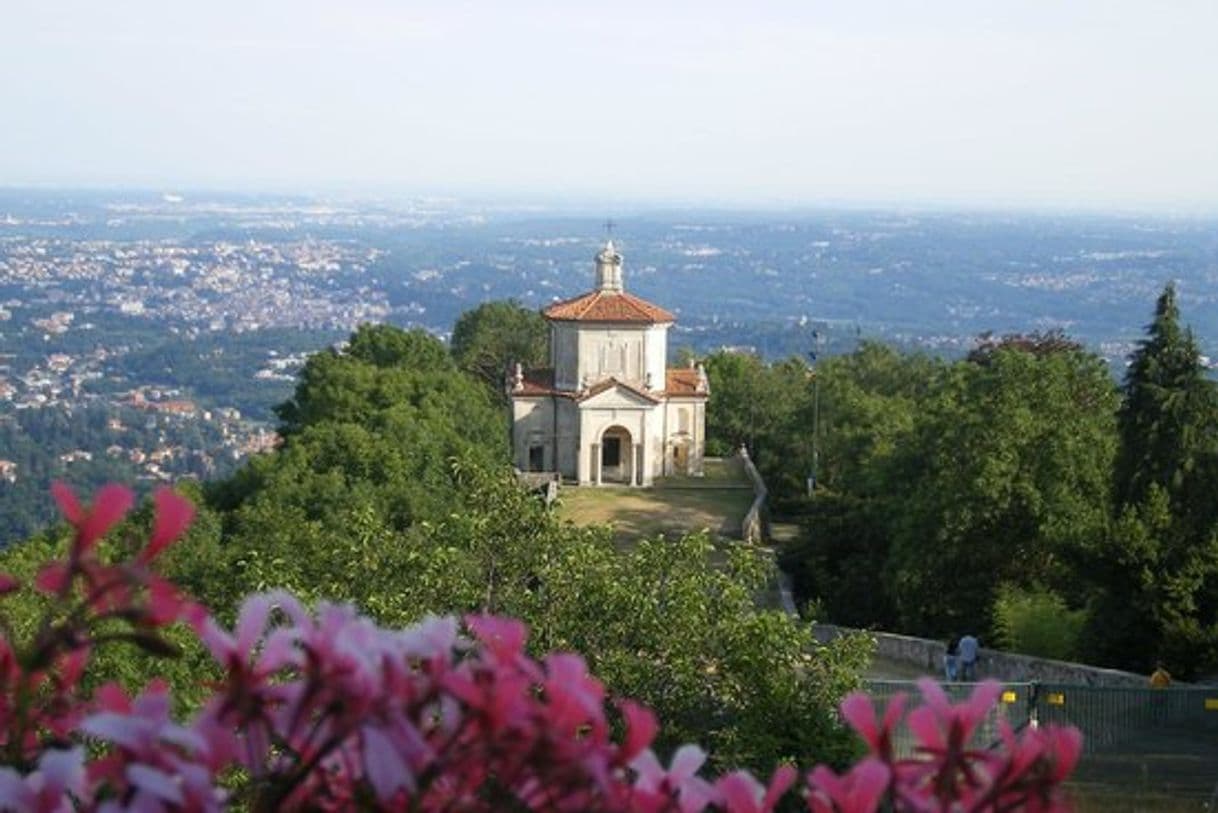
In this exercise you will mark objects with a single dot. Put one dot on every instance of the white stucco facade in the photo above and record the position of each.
(608, 410)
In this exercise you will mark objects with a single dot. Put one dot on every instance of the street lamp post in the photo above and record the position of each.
(813, 355)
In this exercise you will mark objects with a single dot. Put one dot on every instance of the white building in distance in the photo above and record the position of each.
(608, 409)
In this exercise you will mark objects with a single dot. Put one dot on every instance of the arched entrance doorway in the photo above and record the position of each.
(617, 455)
(680, 455)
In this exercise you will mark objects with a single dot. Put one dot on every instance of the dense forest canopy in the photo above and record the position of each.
(95, 443)
(1017, 484)
(1018, 493)
(392, 490)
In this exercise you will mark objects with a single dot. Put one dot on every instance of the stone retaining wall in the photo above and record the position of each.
(1006, 666)
(545, 483)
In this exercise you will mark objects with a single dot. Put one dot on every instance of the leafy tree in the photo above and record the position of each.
(195, 564)
(373, 426)
(869, 401)
(382, 368)
(1005, 476)
(495, 335)
(1037, 343)
(391, 492)
(1146, 579)
(386, 346)
(663, 621)
(740, 405)
(838, 561)
(769, 409)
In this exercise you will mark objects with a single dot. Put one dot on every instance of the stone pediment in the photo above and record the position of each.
(615, 394)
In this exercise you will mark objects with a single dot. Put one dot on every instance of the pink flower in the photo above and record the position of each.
(940, 726)
(739, 792)
(8, 584)
(52, 578)
(693, 793)
(573, 698)
(1065, 746)
(859, 710)
(328, 711)
(859, 791)
(641, 727)
(385, 767)
(174, 514)
(166, 604)
(110, 504)
(157, 761)
(503, 637)
(237, 651)
(51, 788)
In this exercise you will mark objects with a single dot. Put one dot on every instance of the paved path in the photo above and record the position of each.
(886, 669)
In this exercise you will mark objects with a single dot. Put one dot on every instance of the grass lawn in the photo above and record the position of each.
(677, 505)
(717, 502)
(638, 512)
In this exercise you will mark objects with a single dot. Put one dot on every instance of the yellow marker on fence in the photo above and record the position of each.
(1211, 704)
(1056, 698)
(1009, 697)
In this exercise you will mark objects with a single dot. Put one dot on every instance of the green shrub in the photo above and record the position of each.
(1036, 621)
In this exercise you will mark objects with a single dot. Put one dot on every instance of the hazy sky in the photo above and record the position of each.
(1093, 102)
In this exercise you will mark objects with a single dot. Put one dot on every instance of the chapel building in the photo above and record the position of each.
(608, 409)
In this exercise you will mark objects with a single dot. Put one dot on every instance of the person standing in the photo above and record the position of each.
(968, 657)
(951, 658)
(1160, 678)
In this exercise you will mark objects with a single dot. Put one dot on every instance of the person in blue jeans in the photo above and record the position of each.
(968, 657)
(951, 658)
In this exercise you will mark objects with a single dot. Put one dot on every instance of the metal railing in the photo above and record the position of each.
(1164, 740)
(1016, 704)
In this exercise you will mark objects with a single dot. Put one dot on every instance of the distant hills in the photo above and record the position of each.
(219, 297)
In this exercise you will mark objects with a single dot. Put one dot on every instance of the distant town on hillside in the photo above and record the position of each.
(172, 322)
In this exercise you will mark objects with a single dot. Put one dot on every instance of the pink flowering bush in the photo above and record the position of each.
(324, 710)
(948, 772)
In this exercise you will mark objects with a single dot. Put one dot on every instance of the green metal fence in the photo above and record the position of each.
(1163, 741)
(1015, 704)
(1119, 718)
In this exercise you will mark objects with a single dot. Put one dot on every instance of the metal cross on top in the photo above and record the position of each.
(609, 227)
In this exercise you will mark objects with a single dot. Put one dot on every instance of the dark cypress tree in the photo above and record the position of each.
(1158, 573)
(1169, 420)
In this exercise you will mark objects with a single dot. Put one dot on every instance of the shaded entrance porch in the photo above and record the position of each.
(616, 458)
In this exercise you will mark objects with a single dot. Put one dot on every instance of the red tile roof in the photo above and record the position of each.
(538, 382)
(607, 306)
(682, 381)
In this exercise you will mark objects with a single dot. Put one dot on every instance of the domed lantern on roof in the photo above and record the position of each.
(609, 269)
